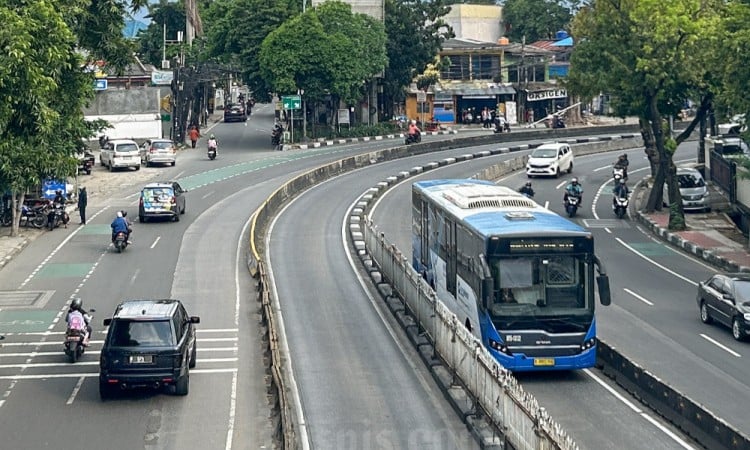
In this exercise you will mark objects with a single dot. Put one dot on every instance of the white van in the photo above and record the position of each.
(550, 160)
(120, 153)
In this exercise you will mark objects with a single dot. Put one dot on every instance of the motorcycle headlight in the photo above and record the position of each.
(746, 316)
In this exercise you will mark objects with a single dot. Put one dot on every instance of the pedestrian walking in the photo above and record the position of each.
(82, 201)
(194, 134)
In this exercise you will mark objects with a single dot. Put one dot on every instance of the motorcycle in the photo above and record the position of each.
(211, 153)
(620, 206)
(35, 216)
(500, 128)
(276, 138)
(57, 216)
(415, 138)
(571, 204)
(120, 242)
(77, 337)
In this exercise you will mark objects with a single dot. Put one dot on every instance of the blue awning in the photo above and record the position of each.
(567, 42)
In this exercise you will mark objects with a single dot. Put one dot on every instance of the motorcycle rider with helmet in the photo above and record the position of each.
(574, 189)
(621, 190)
(57, 202)
(414, 131)
(78, 315)
(527, 190)
(622, 163)
(213, 144)
(120, 225)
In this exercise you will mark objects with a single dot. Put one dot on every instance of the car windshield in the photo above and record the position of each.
(161, 144)
(136, 333)
(689, 180)
(126, 148)
(160, 195)
(544, 153)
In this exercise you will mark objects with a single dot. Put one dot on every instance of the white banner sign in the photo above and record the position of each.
(546, 95)
(162, 77)
(343, 116)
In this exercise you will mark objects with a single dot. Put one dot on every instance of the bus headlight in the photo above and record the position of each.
(588, 344)
(500, 347)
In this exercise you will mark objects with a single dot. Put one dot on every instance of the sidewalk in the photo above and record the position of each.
(711, 236)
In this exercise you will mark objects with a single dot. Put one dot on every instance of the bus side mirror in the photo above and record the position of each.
(602, 282)
(487, 288)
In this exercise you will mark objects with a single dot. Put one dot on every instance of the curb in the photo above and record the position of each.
(359, 139)
(16, 250)
(676, 240)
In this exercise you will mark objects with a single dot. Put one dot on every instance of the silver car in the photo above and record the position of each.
(693, 189)
(158, 151)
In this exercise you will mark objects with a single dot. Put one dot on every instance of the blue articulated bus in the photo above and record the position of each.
(518, 275)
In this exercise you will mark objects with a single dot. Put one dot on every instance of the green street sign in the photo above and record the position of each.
(291, 101)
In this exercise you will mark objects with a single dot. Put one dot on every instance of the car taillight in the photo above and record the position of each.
(140, 202)
(174, 200)
(151, 150)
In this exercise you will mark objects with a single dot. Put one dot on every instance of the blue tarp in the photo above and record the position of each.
(567, 42)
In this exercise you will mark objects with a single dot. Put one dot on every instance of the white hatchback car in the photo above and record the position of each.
(158, 151)
(120, 153)
(550, 160)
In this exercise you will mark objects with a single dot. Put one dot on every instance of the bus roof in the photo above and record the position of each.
(496, 210)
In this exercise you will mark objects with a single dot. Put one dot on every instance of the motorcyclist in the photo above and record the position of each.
(621, 189)
(213, 144)
(575, 189)
(57, 202)
(413, 128)
(622, 163)
(276, 133)
(527, 190)
(130, 224)
(78, 317)
(120, 225)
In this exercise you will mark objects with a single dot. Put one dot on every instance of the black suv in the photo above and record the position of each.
(150, 343)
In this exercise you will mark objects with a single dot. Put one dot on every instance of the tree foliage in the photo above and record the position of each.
(416, 32)
(348, 50)
(534, 20)
(235, 30)
(43, 87)
(653, 55)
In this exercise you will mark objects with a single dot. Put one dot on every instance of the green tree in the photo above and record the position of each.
(654, 56)
(349, 50)
(416, 32)
(151, 46)
(534, 20)
(44, 86)
(235, 30)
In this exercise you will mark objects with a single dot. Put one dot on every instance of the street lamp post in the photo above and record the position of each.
(304, 115)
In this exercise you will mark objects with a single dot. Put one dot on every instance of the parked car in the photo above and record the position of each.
(162, 200)
(158, 151)
(693, 190)
(235, 113)
(725, 298)
(120, 153)
(550, 160)
(149, 343)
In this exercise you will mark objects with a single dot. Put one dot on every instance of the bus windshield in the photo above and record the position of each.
(540, 286)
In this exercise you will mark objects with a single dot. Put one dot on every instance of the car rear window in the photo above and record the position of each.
(136, 333)
(126, 148)
(689, 180)
(161, 195)
(161, 144)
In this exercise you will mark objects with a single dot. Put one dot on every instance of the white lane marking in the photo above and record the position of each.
(96, 352)
(208, 195)
(637, 410)
(156, 241)
(546, 204)
(720, 345)
(638, 297)
(27, 365)
(75, 391)
(135, 275)
(601, 168)
(563, 183)
(218, 360)
(232, 410)
(96, 374)
(672, 272)
(57, 249)
(179, 175)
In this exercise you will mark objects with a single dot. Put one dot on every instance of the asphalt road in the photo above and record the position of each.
(45, 401)
(653, 319)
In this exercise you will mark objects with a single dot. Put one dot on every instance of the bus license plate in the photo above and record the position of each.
(140, 359)
(544, 362)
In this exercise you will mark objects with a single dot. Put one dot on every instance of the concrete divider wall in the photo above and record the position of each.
(289, 422)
